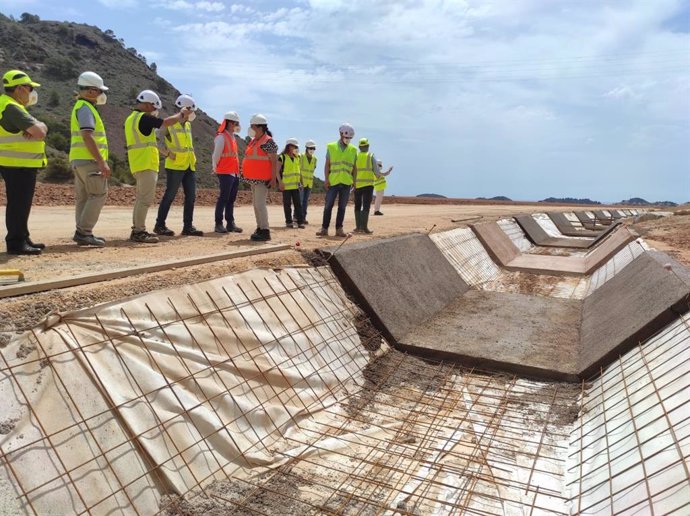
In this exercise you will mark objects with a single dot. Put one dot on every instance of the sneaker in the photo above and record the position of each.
(306, 222)
(357, 230)
(367, 231)
(300, 225)
(232, 228)
(89, 240)
(192, 231)
(220, 229)
(322, 232)
(289, 225)
(378, 213)
(261, 235)
(340, 233)
(143, 237)
(163, 231)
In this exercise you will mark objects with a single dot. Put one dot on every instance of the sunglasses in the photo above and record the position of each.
(311, 148)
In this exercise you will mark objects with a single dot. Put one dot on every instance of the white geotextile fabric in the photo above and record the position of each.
(467, 255)
(207, 381)
(550, 227)
(515, 233)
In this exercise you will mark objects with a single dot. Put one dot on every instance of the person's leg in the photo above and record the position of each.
(79, 193)
(287, 208)
(379, 198)
(20, 185)
(358, 209)
(298, 207)
(343, 198)
(367, 194)
(145, 195)
(96, 191)
(331, 194)
(260, 209)
(172, 184)
(230, 206)
(305, 202)
(223, 197)
(189, 188)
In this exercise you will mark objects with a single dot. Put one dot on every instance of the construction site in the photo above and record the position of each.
(494, 359)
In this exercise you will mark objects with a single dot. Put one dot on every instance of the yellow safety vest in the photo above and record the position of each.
(342, 162)
(179, 141)
(77, 148)
(306, 169)
(142, 150)
(365, 170)
(380, 184)
(15, 150)
(290, 172)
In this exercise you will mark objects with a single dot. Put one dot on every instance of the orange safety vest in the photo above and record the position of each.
(256, 164)
(228, 163)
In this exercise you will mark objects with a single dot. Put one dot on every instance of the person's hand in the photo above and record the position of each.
(172, 155)
(272, 182)
(281, 185)
(104, 169)
(326, 184)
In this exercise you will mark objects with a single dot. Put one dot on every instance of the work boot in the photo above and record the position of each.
(340, 233)
(232, 228)
(289, 225)
(163, 230)
(358, 222)
(90, 240)
(300, 225)
(191, 231)
(322, 232)
(35, 244)
(378, 213)
(220, 229)
(25, 248)
(365, 223)
(306, 222)
(143, 237)
(261, 235)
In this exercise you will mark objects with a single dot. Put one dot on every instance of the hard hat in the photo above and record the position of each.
(379, 163)
(347, 130)
(232, 115)
(363, 142)
(258, 119)
(17, 78)
(310, 143)
(91, 80)
(185, 101)
(151, 97)
(292, 141)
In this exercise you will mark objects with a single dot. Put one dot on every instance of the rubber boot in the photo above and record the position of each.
(358, 222)
(365, 222)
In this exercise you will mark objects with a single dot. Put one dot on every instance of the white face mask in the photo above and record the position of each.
(236, 129)
(33, 98)
(310, 152)
(347, 139)
(191, 117)
(154, 113)
(101, 99)
(251, 132)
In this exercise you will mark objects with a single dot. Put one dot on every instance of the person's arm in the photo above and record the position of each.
(327, 171)
(38, 131)
(92, 147)
(218, 146)
(375, 166)
(390, 169)
(275, 167)
(17, 120)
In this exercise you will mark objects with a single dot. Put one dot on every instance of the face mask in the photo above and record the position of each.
(101, 99)
(191, 117)
(251, 132)
(154, 113)
(236, 129)
(310, 152)
(33, 98)
(347, 140)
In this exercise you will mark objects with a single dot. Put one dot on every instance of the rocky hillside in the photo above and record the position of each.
(55, 53)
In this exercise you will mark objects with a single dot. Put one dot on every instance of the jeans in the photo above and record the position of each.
(305, 201)
(173, 180)
(229, 184)
(363, 198)
(20, 183)
(342, 192)
(290, 198)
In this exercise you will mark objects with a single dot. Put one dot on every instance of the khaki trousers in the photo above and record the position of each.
(259, 195)
(379, 199)
(145, 195)
(90, 191)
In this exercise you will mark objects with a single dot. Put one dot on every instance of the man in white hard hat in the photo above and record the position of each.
(88, 155)
(226, 165)
(340, 171)
(22, 154)
(307, 165)
(180, 168)
(143, 157)
(379, 187)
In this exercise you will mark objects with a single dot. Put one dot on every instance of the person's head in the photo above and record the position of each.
(291, 147)
(347, 132)
(91, 88)
(20, 87)
(188, 103)
(230, 123)
(258, 126)
(310, 147)
(364, 145)
(380, 164)
(148, 101)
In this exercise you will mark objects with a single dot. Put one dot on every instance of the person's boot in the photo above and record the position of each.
(220, 228)
(191, 231)
(261, 235)
(358, 222)
(340, 233)
(163, 230)
(378, 213)
(322, 232)
(143, 237)
(365, 223)
(25, 248)
(232, 228)
(37, 245)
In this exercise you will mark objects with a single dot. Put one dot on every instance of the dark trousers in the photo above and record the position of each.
(363, 197)
(342, 192)
(20, 184)
(229, 184)
(290, 199)
(173, 180)
(305, 202)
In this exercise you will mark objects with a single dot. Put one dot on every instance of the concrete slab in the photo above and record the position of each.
(536, 234)
(602, 218)
(499, 246)
(400, 281)
(629, 308)
(587, 221)
(529, 335)
(567, 228)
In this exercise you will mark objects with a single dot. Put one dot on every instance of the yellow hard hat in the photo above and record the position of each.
(363, 142)
(17, 78)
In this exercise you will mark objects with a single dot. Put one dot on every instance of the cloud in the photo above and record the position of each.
(186, 5)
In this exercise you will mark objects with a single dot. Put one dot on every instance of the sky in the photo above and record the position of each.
(465, 98)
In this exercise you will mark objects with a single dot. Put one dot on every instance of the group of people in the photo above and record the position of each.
(234, 159)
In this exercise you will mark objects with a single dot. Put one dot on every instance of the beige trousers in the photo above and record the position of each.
(379, 199)
(145, 195)
(90, 191)
(259, 195)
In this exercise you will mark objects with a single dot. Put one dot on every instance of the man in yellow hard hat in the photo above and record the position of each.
(22, 153)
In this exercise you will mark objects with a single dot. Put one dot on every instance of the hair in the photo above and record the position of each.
(265, 129)
(287, 148)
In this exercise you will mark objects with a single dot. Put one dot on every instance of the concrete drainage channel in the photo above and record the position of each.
(471, 372)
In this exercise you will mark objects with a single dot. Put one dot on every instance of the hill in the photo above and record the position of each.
(432, 196)
(638, 201)
(496, 198)
(569, 200)
(55, 53)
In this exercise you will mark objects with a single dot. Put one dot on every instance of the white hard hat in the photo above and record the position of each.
(310, 143)
(347, 130)
(292, 141)
(91, 79)
(258, 119)
(380, 163)
(185, 101)
(232, 115)
(150, 96)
